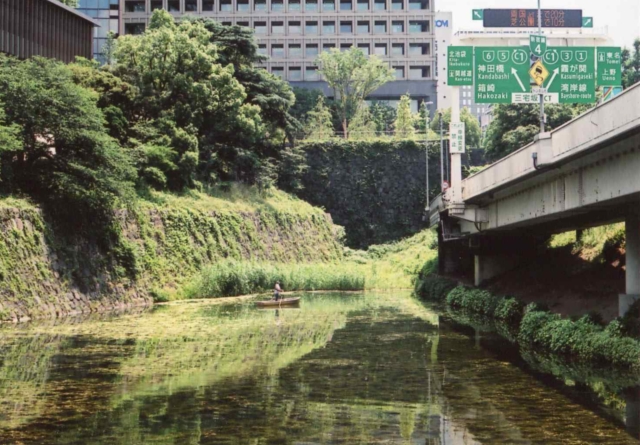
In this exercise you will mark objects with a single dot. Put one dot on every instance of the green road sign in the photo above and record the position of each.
(460, 65)
(587, 22)
(609, 61)
(573, 74)
(538, 45)
(478, 14)
(501, 72)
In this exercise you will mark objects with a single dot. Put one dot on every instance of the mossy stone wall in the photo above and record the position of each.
(376, 190)
(44, 275)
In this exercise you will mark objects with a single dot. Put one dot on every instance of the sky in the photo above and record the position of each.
(621, 17)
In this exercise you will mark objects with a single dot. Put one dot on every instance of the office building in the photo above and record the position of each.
(45, 28)
(293, 32)
(107, 14)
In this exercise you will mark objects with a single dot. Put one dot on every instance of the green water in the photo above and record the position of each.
(341, 369)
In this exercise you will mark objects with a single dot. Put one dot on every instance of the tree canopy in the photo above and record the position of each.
(352, 76)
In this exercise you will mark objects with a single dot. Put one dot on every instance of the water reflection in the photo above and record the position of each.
(342, 369)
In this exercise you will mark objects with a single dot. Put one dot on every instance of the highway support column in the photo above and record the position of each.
(632, 231)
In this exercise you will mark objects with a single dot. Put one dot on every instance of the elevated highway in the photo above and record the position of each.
(583, 174)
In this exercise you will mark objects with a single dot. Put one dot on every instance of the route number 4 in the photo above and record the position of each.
(538, 45)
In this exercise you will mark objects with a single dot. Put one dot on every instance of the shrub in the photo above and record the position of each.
(433, 287)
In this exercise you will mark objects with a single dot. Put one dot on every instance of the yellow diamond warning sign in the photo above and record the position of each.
(539, 73)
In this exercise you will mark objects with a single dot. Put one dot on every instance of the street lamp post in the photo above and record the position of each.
(441, 153)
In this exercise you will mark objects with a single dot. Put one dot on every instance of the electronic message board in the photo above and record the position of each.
(528, 18)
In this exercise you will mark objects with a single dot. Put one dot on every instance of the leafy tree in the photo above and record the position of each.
(353, 77)
(72, 3)
(187, 102)
(9, 136)
(631, 65)
(472, 126)
(65, 156)
(383, 115)
(319, 126)
(362, 127)
(109, 48)
(515, 126)
(306, 100)
(404, 121)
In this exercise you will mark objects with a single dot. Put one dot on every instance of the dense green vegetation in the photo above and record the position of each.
(585, 339)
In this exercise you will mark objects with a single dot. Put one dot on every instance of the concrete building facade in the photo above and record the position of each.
(293, 32)
(107, 14)
(45, 28)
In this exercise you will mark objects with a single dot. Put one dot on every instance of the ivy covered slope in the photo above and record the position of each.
(164, 241)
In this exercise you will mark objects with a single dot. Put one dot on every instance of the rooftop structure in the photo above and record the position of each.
(45, 28)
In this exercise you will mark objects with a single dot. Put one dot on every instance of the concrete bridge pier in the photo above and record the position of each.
(632, 231)
(632, 411)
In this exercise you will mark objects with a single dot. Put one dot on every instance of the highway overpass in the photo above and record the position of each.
(583, 174)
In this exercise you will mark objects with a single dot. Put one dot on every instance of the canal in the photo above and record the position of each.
(375, 368)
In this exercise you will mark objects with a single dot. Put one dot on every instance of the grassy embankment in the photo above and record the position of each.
(383, 267)
(237, 241)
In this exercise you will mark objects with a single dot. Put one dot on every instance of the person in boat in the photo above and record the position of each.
(276, 291)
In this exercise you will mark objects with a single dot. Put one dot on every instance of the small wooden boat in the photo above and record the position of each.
(279, 303)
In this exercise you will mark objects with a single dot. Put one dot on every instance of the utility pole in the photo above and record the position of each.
(541, 95)
(426, 154)
(441, 154)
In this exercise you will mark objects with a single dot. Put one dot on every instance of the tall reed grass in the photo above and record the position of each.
(231, 278)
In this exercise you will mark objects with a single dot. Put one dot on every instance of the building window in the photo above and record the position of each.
(328, 27)
(262, 49)
(207, 5)
(225, 5)
(380, 49)
(363, 5)
(419, 72)
(311, 73)
(260, 27)
(311, 51)
(226, 23)
(277, 51)
(295, 27)
(243, 24)
(157, 4)
(399, 72)
(380, 27)
(346, 5)
(365, 48)
(242, 6)
(415, 5)
(295, 6)
(277, 27)
(397, 49)
(134, 6)
(397, 5)
(311, 6)
(190, 5)
(419, 49)
(397, 27)
(295, 50)
(173, 5)
(346, 27)
(345, 46)
(328, 5)
(295, 73)
(311, 28)
(328, 46)
(278, 71)
(260, 5)
(416, 26)
(363, 27)
(134, 28)
(379, 5)
(277, 5)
